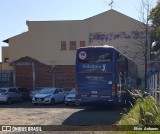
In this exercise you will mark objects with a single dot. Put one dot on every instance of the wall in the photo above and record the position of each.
(43, 39)
(30, 73)
(122, 32)
(64, 76)
(5, 55)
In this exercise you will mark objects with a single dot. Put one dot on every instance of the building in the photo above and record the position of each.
(54, 44)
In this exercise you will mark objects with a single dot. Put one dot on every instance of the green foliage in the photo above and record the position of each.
(155, 18)
(146, 111)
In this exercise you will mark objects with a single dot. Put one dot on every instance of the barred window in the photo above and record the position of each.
(6, 60)
(63, 45)
(82, 43)
(73, 45)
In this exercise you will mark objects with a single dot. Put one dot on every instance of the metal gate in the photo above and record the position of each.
(6, 78)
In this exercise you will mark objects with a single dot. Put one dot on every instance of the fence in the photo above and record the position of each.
(6, 78)
(153, 83)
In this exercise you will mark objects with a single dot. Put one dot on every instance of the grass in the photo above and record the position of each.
(145, 111)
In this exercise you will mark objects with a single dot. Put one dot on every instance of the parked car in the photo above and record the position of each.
(36, 90)
(67, 90)
(25, 93)
(10, 95)
(33, 92)
(70, 99)
(49, 96)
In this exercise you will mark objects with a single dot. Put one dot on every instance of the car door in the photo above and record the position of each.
(24, 92)
(56, 95)
(16, 93)
(61, 94)
(12, 94)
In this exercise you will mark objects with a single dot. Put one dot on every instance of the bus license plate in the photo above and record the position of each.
(94, 95)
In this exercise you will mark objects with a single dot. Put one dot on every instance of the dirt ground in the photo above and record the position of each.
(26, 113)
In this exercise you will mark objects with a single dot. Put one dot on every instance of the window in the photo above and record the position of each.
(60, 90)
(95, 56)
(14, 90)
(23, 89)
(73, 45)
(63, 45)
(6, 60)
(82, 43)
(56, 91)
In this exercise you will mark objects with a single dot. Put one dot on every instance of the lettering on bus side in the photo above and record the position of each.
(101, 67)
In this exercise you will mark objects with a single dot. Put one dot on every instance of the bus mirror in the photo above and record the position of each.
(138, 81)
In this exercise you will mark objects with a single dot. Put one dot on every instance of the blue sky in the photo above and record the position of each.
(15, 13)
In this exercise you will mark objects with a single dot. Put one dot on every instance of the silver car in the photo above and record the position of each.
(10, 95)
(36, 90)
(32, 93)
(49, 96)
(70, 99)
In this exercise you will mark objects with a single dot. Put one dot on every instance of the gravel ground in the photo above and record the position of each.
(27, 114)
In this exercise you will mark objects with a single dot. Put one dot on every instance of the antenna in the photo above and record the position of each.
(111, 4)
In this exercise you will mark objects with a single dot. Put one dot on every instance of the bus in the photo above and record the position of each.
(103, 76)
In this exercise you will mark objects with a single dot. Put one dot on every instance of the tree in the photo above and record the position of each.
(155, 18)
(145, 43)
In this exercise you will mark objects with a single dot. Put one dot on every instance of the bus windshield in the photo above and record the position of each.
(95, 56)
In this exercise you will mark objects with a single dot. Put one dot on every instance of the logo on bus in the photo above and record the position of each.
(82, 55)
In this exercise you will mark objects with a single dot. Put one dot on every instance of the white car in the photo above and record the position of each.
(49, 96)
(10, 95)
(70, 99)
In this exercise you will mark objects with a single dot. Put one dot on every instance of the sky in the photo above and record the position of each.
(15, 13)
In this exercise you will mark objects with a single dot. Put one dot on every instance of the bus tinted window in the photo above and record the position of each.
(97, 56)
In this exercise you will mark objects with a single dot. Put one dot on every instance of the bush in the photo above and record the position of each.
(145, 111)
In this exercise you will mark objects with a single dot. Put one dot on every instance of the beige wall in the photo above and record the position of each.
(5, 66)
(5, 54)
(43, 39)
(111, 26)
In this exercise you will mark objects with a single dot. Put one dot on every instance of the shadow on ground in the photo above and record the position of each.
(92, 116)
(28, 104)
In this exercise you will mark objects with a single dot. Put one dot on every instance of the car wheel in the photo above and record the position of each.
(52, 101)
(9, 101)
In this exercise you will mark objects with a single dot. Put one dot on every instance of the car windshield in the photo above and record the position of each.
(72, 91)
(46, 91)
(2, 90)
